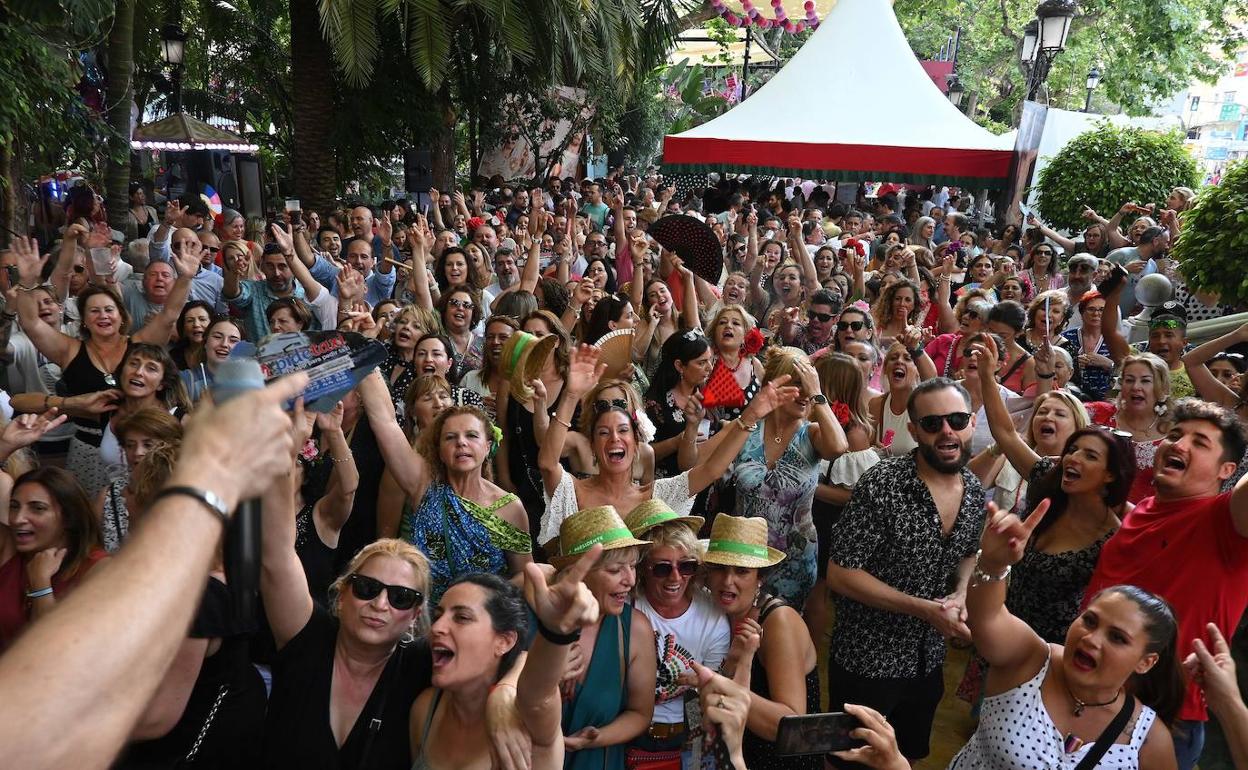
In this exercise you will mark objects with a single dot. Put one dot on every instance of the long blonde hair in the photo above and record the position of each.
(841, 380)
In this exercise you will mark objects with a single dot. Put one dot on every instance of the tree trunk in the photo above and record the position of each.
(10, 216)
(312, 81)
(120, 96)
(443, 144)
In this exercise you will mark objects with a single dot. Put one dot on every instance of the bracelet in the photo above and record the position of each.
(335, 460)
(24, 287)
(979, 577)
(39, 593)
(210, 500)
(917, 353)
(743, 425)
(554, 637)
(1046, 376)
(567, 425)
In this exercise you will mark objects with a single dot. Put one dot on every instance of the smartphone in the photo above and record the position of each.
(817, 734)
(11, 272)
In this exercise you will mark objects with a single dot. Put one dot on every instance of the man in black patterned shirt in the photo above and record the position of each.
(900, 559)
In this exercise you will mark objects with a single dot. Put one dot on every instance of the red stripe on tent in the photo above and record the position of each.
(924, 161)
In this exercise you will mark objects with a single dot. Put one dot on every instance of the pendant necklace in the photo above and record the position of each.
(1081, 705)
(109, 379)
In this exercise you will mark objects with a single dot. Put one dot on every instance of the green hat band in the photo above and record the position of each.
(657, 518)
(732, 546)
(620, 533)
(518, 349)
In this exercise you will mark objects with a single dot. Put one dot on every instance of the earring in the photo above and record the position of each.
(409, 635)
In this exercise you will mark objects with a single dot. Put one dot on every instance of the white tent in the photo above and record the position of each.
(854, 103)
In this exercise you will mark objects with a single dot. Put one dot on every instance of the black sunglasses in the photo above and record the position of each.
(933, 422)
(366, 589)
(854, 325)
(686, 568)
(823, 317)
(602, 405)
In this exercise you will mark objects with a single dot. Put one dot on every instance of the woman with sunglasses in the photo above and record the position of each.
(616, 436)
(1086, 483)
(192, 324)
(784, 672)
(1040, 271)
(775, 472)
(461, 310)
(577, 449)
(462, 521)
(344, 677)
(687, 625)
(971, 314)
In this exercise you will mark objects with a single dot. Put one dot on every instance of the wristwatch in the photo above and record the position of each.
(819, 399)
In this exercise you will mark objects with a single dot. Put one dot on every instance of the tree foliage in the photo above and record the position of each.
(1108, 166)
(1145, 51)
(1211, 246)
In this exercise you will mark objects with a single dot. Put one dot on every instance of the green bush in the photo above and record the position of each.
(1108, 166)
(1213, 243)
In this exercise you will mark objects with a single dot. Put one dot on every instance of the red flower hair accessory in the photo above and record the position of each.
(753, 342)
(840, 410)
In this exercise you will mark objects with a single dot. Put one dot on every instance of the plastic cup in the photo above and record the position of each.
(102, 261)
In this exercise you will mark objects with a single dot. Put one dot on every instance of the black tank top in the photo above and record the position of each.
(82, 377)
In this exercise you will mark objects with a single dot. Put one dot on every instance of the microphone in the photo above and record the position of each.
(234, 377)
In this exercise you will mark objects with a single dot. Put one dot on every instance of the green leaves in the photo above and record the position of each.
(1109, 166)
(1214, 239)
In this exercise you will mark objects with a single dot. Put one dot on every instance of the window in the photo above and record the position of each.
(1228, 97)
(1195, 103)
(1193, 133)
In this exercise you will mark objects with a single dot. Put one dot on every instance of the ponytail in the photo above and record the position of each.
(1162, 687)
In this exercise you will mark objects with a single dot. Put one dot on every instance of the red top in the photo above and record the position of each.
(1187, 552)
(15, 607)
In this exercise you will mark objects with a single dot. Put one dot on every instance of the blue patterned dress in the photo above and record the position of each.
(459, 536)
(783, 496)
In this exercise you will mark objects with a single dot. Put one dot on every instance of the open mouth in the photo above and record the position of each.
(615, 455)
(441, 655)
(728, 335)
(428, 369)
(24, 535)
(1071, 474)
(620, 598)
(1174, 462)
(136, 383)
(727, 598)
(1047, 430)
(899, 373)
(949, 447)
(1083, 661)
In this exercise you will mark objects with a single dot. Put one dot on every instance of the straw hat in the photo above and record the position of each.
(580, 531)
(653, 513)
(523, 358)
(737, 541)
(617, 353)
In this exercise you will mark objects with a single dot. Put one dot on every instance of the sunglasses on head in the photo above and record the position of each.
(851, 325)
(603, 405)
(933, 422)
(366, 589)
(686, 568)
(823, 317)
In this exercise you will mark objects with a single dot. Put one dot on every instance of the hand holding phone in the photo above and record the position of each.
(802, 734)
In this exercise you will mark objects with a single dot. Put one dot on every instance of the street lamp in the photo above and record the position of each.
(1094, 79)
(1045, 41)
(172, 51)
(956, 92)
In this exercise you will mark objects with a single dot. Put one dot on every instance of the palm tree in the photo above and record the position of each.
(556, 41)
(120, 96)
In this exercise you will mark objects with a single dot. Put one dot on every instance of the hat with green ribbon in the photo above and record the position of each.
(737, 541)
(523, 358)
(583, 529)
(653, 513)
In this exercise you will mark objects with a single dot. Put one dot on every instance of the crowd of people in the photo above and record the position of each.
(608, 498)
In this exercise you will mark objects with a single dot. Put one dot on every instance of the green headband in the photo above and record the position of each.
(745, 549)
(1167, 323)
(619, 533)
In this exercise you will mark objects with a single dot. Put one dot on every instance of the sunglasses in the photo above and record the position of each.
(933, 422)
(853, 325)
(1044, 251)
(686, 568)
(823, 317)
(603, 405)
(971, 314)
(463, 304)
(366, 589)
(212, 249)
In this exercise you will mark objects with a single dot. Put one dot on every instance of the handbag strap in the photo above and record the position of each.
(1108, 735)
(203, 730)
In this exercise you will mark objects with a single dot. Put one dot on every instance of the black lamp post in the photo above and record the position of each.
(172, 51)
(1094, 79)
(1043, 39)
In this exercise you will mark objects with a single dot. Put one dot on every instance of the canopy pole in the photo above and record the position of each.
(745, 63)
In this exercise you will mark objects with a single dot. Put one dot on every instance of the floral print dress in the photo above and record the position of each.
(783, 495)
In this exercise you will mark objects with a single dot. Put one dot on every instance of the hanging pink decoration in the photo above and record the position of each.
(792, 16)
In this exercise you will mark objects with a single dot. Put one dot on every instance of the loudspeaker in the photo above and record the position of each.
(417, 170)
(250, 191)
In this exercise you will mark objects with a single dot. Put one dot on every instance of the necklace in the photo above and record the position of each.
(1080, 705)
(733, 369)
(101, 365)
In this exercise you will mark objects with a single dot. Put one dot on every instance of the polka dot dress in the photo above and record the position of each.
(1016, 733)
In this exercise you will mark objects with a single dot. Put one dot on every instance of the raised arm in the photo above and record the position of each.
(435, 210)
(59, 348)
(283, 584)
(1119, 348)
(1113, 228)
(1021, 456)
(826, 434)
(584, 372)
(1008, 644)
(639, 251)
(408, 467)
(768, 399)
(334, 508)
(75, 235)
(689, 318)
(311, 287)
(1208, 386)
(810, 276)
(1067, 244)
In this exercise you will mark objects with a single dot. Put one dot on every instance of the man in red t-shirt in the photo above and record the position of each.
(1188, 543)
